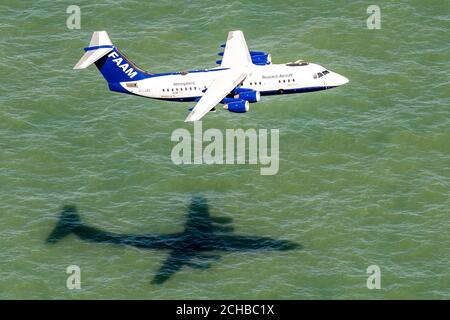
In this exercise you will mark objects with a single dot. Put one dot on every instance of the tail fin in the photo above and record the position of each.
(68, 222)
(99, 46)
(114, 65)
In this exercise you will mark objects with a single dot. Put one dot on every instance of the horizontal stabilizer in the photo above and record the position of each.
(99, 46)
(68, 222)
(90, 57)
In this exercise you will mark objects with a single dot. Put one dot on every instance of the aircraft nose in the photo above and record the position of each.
(336, 80)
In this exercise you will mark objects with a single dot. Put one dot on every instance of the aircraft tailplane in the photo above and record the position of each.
(99, 46)
(110, 61)
(69, 220)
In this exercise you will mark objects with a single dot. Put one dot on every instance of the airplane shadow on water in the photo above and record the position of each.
(202, 234)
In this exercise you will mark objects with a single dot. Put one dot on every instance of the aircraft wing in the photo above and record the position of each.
(218, 90)
(236, 52)
(174, 262)
(179, 258)
(200, 221)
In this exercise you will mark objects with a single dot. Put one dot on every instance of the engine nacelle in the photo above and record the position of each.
(257, 53)
(236, 105)
(261, 59)
(249, 95)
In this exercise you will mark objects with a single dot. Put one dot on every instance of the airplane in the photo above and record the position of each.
(202, 233)
(242, 77)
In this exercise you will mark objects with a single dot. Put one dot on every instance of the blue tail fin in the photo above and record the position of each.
(113, 64)
(116, 67)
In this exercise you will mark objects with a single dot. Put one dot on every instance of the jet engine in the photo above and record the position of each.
(249, 95)
(236, 105)
(260, 58)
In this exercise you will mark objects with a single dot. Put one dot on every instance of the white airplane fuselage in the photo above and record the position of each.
(267, 80)
(242, 78)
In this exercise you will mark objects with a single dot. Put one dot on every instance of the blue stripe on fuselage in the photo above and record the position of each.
(293, 90)
(263, 93)
(185, 99)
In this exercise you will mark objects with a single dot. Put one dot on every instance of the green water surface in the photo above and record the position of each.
(364, 169)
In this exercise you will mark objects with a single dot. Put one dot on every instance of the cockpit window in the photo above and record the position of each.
(297, 63)
(320, 74)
